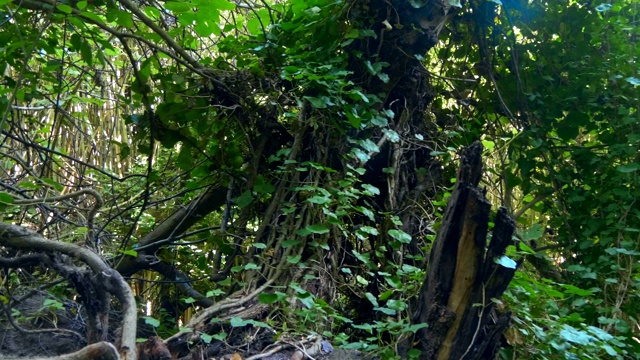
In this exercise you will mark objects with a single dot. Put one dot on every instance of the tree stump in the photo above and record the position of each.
(463, 279)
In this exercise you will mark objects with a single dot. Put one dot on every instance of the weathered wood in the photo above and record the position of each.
(98, 351)
(463, 277)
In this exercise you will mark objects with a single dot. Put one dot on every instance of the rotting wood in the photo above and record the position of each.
(463, 277)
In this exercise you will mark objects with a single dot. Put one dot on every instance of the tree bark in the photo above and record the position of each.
(457, 298)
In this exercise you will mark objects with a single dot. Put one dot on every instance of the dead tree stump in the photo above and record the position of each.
(456, 299)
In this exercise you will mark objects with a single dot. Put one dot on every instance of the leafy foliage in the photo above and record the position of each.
(325, 157)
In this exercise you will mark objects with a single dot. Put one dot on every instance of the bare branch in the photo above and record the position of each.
(22, 238)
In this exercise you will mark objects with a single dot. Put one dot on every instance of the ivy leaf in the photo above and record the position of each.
(628, 168)
(53, 183)
(6, 198)
(393, 136)
(262, 186)
(371, 298)
(151, 321)
(571, 334)
(455, 3)
(400, 235)
(633, 81)
(370, 189)
(219, 4)
(418, 3)
(369, 145)
(244, 199)
(319, 103)
(289, 243)
(533, 233)
(603, 7)
(313, 229)
(369, 230)
(64, 8)
(415, 327)
(385, 310)
(206, 338)
(177, 7)
(506, 262)
(267, 298)
(237, 322)
(319, 200)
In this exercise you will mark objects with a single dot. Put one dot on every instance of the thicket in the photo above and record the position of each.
(277, 171)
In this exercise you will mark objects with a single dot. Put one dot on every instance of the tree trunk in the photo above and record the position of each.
(457, 300)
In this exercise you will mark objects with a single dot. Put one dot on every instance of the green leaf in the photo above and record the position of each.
(268, 299)
(319, 200)
(369, 230)
(319, 103)
(385, 295)
(64, 8)
(206, 338)
(244, 199)
(214, 292)
(237, 322)
(488, 144)
(415, 327)
(218, 4)
(506, 262)
(400, 235)
(360, 155)
(398, 305)
(371, 298)
(151, 321)
(368, 145)
(570, 289)
(533, 233)
(317, 229)
(393, 136)
(418, 3)
(294, 259)
(178, 7)
(385, 310)
(576, 336)
(6, 198)
(130, 252)
(628, 168)
(289, 243)
(262, 186)
(633, 81)
(370, 190)
(366, 212)
(55, 184)
(125, 19)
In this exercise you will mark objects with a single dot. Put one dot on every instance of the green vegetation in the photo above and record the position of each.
(282, 168)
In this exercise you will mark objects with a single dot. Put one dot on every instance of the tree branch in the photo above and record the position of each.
(22, 238)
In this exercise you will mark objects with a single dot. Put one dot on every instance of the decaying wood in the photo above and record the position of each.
(463, 277)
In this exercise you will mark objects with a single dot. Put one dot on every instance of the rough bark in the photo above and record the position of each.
(463, 276)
